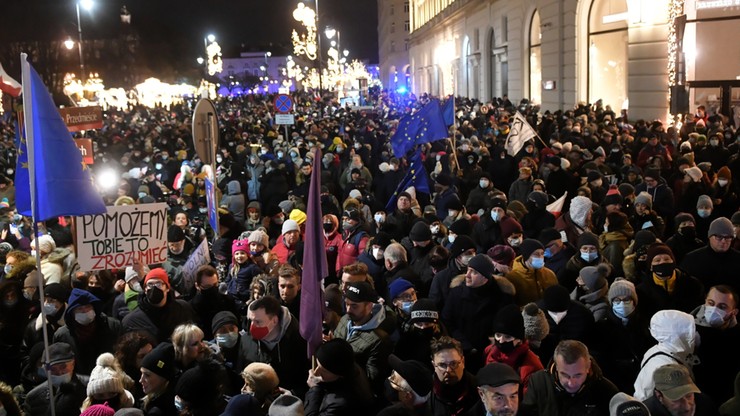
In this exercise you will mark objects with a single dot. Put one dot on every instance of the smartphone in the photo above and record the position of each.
(13, 228)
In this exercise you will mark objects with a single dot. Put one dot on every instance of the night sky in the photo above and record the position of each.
(175, 28)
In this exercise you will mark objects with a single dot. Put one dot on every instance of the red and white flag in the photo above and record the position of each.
(8, 84)
(556, 208)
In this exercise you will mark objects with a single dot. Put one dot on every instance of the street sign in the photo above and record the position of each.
(205, 130)
(82, 118)
(284, 119)
(86, 148)
(283, 104)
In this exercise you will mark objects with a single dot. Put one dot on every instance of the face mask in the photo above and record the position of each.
(28, 295)
(406, 307)
(155, 295)
(688, 231)
(219, 159)
(494, 216)
(85, 318)
(538, 262)
(704, 213)
(147, 159)
(203, 210)
(379, 218)
(557, 316)
(589, 257)
(281, 154)
(57, 380)
(346, 225)
(178, 404)
(465, 260)
(258, 332)
(158, 166)
(664, 270)
(514, 242)
(434, 229)
(451, 213)
(8, 268)
(714, 142)
(142, 194)
(722, 182)
(714, 316)
(606, 228)
(623, 309)
(548, 253)
(506, 347)
(136, 287)
(597, 183)
(340, 149)
(451, 238)
(378, 253)
(49, 309)
(227, 340)
(483, 183)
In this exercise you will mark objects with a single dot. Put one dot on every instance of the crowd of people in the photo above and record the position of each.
(483, 296)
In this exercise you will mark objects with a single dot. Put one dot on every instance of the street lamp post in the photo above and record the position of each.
(318, 36)
(87, 5)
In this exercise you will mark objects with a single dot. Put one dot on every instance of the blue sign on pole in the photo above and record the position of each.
(212, 205)
(283, 104)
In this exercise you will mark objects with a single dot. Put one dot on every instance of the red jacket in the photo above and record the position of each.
(521, 359)
(350, 248)
(281, 250)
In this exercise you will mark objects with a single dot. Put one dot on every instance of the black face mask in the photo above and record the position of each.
(506, 347)
(427, 332)
(209, 293)
(689, 232)
(664, 270)
(154, 295)
(329, 227)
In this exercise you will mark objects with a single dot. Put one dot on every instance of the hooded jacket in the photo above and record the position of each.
(158, 322)
(530, 283)
(676, 335)
(234, 201)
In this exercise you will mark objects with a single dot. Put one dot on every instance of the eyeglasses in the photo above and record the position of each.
(617, 301)
(723, 237)
(406, 297)
(452, 365)
(152, 284)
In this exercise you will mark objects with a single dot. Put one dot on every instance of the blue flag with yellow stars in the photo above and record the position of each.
(63, 185)
(22, 194)
(416, 177)
(424, 126)
(448, 111)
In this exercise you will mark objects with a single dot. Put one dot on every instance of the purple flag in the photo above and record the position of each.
(314, 264)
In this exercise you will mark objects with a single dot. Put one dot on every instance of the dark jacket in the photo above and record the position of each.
(682, 245)
(711, 268)
(557, 262)
(687, 295)
(545, 397)
(487, 233)
(662, 198)
(207, 304)
(68, 398)
(456, 399)
(577, 324)
(158, 322)
(705, 406)
(440, 288)
(339, 398)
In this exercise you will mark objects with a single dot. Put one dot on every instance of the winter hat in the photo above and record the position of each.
(352, 214)
(56, 291)
(4, 203)
(497, 203)
(5, 247)
(644, 198)
(656, 249)
(595, 277)
(556, 298)
(424, 310)
(254, 205)
(33, 279)
(483, 265)
(298, 216)
(704, 201)
(337, 356)
(617, 220)
(98, 410)
(161, 361)
(461, 244)
(46, 244)
(588, 239)
(497, 374)
(240, 245)
(538, 198)
(420, 232)
(622, 288)
(613, 197)
(443, 179)
(510, 227)
(509, 321)
(104, 378)
(461, 227)
(259, 237)
(261, 377)
(694, 173)
(129, 411)
(286, 206)
(622, 404)
(60, 352)
(722, 227)
(290, 225)
(652, 173)
(502, 254)
(529, 246)
(242, 404)
(175, 234)
(593, 175)
(735, 219)
(580, 206)
(536, 326)
(626, 189)
(223, 318)
(399, 286)
(382, 239)
(285, 405)
(360, 292)
(724, 173)
(158, 274)
(643, 238)
(549, 234)
(355, 194)
(417, 374)
(199, 386)
(683, 217)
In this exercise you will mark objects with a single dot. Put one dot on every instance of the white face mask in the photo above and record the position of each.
(451, 213)
(451, 238)
(714, 316)
(722, 182)
(49, 309)
(57, 380)
(494, 216)
(227, 340)
(85, 318)
(136, 287)
(434, 229)
(378, 253)
(484, 183)
(515, 242)
(557, 316)
(379, 218)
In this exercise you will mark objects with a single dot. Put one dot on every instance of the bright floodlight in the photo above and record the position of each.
(87, 4)
(200, 60)
(330, 32)
(211, 37)
(269, 54)
(345, 52)
(69, 43)
(108, 179)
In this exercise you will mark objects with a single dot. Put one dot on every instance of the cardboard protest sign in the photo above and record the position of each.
(198, 257)
(114, 239)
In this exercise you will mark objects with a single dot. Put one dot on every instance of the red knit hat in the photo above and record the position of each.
(158, 274)
(99, 410)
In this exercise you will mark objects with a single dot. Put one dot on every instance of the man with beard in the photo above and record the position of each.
(159, 313)
(178, 251)
(453, 388)
(207, 301)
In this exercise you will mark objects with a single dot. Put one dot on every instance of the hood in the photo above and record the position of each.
(674, 330)
(284, 323)
(80, 297)
(233, 188)
(378, 317)
(700, 320)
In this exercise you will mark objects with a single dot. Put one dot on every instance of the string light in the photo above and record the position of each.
(675, 9)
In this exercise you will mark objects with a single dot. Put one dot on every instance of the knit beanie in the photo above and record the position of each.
(56, 291)
(643, 238)
(46, 244)
(656, 249)
(175, 234)
(724, 173)
(528, 247)
(556, 298)
(617, 220)
(420, 232)
(735, 219)
(382, 239)
(622, 288)
(461, 244)
(549, 234)
(223, 318)
(98, 410)
(129, 411)
(262, 378)
(259, 237)
(240, 245)
(580, 206)
(502, 254)
(483, 265)
(161, 361)
(683, 217)
(594, 277)
(509, 321)
(536, 327)
(588, 239)
(622, 404)
(722, 227)
(399, 286)
(286, 206)
(613, 197)
(242, 404)
(424, 310)
(538, 199)
(298, 216)
(286, 405)
(290, 225)
(104, 378)
(694, 173)
(461, 227)
(200, 386)
(644, 198)
(337, 357)
(510, 227)
(626, 189)
(159, 274)
(704, 201)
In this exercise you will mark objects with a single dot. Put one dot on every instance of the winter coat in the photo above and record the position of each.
(596, 301)
(535, 221)
(353, 243)
(716, 351)
(456, 399)
(676, 336)
(273, 187)
(573, 267)
(530, 284)
(711, 267)
(104, 339)
(339, 398)
(519, 190)
(577, 324)
(522, 359)
(557, 262)
(688, 293)
(440, 288)
(487, 233)
(565, 224)
(477, 198)
(68, 398)
(545, 397)
(158, 322)
(662, 198)
(613, 244)
(398, 224)
(682, 245)
(234, 201)
(282, 251)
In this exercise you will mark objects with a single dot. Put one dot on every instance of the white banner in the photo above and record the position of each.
(519, 133)
(198, 257)
(114, 239)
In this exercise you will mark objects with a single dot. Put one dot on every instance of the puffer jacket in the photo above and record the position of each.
(350, 248)
(530, 284)
(613, 244)
(675, 332)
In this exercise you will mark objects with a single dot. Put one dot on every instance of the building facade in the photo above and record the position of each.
(394, 25)
(629, 53)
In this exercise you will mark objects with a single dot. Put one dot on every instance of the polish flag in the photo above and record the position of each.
(8, 84)
(556, 208)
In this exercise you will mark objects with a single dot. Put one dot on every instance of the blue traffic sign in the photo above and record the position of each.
(283, 104)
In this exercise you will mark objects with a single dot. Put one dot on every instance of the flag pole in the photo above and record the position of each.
(28, 121)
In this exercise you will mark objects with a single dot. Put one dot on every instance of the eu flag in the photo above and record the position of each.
(448, 111)
(60, 180)
(416, 177)
(22, 195)
(424, 126)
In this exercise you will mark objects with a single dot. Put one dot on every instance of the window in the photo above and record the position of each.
(393, 27)
(535, 59)
(504, 29)
(392, 10)
(607, 53)
(406, 7)
(406, 26)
